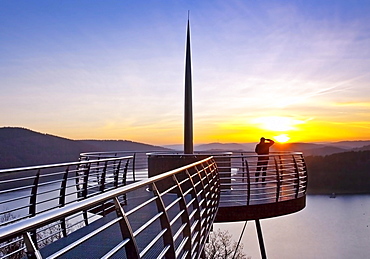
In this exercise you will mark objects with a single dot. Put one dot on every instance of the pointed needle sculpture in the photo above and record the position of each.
(188, 111)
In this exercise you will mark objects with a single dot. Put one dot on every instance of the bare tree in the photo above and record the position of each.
(13, 246)
(221, 246)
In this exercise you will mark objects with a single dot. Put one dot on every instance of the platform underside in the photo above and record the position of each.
(260, 211)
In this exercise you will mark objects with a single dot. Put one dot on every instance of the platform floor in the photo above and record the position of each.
(234, 206)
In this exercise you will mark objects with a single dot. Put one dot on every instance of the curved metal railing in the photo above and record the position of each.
(286, 174)
(28, 191)
(247, 181)
(138, 166)
(246, 193)
(169, 215)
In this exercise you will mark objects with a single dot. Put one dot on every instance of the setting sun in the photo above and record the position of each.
(282, 138)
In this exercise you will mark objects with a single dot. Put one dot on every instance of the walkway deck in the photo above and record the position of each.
(101, 244)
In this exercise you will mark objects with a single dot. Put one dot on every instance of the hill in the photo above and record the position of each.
(341, 167)
(346, 172)
(23, 147)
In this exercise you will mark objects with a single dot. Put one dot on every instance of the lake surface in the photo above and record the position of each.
(327, 228)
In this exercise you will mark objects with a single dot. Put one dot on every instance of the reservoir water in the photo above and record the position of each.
(328, 228)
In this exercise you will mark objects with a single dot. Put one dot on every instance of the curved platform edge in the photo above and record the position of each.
(260, 211)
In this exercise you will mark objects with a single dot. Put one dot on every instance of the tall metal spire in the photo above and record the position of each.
(188, 111)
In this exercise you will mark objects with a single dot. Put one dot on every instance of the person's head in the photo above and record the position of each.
(262, 139)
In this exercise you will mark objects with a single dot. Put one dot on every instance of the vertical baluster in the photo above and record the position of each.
(184, 217)
(278, 183)
(248, 182)
(281, 168)
(197, 214)
(165, 223)
(304, 172)
(33, 197)
(31, 247)
(124, 179)
(103, 176)
(86, 172)
(33, 202)
(243, 163)
(204, 194)
(296, 177)
(133, 167)
(62, 199)
(131, 247)
(116, 174)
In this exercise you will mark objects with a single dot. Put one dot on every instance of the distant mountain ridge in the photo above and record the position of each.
(23, 147)
(340, 167)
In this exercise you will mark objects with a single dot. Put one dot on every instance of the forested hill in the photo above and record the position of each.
(23, 147)
(347, 172)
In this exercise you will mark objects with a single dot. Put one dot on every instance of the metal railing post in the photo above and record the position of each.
(305, 172)
(103, 176)
(133, 167)
(116, 175)
(31, 248)
(131, 248)
(185, 219)
(248, 182)
(62, 199)
(197, 213)
(86, 171)
(281, 168)
(32, 208)
(33, 202)
(278, 183)
(296, 180)
(243, 166)
(165, 224)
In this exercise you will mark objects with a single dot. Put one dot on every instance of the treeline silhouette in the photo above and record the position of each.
(21, 147)
(344, 173)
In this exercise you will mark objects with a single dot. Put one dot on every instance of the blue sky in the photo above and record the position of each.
(115, 69)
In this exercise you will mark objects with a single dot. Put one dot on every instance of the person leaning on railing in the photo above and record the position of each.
(262, 149)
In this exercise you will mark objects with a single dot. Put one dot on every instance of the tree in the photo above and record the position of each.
(13, 246)
(220, 246)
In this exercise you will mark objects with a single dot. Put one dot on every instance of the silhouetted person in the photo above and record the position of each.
(262, 149)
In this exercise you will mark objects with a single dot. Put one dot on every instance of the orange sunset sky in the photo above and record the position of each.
(295, 71)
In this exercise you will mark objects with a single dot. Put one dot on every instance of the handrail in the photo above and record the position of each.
(138, 166)
(283, 177)
(41, 188)
(195, 188)
(286, 175)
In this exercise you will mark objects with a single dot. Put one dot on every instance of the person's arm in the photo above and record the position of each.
(271, 142)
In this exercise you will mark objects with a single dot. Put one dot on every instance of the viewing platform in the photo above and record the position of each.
(144, 203)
